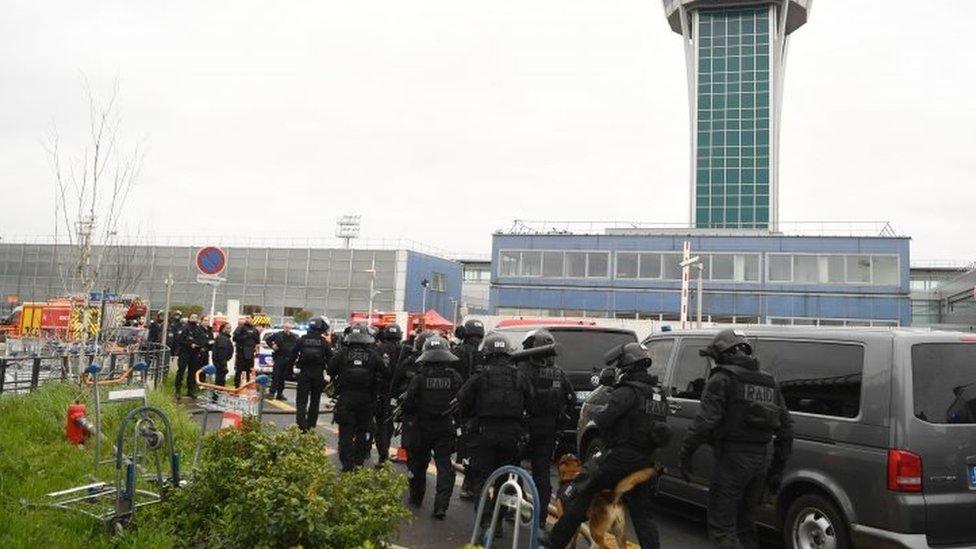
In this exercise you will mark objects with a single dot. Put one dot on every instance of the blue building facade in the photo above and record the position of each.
(444, 283)
(760, 278)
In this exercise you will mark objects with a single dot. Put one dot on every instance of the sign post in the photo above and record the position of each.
(211, 261)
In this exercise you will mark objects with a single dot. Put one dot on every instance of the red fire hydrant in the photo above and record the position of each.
(75, 432)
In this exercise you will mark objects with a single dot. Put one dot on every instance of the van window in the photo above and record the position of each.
(583, 350)
(690, 370)
(660, 352)
(944, 382)
(816, 378)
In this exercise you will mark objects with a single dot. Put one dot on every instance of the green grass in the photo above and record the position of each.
(35, 459)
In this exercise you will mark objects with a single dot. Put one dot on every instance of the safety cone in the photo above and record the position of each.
(231, 420)
(401, 455)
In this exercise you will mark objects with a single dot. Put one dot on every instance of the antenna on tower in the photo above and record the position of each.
(347, 227)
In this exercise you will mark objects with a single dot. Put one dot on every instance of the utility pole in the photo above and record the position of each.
(454, 312)
(701, 268)
(169, 291)
(426, 284)
(686, 264)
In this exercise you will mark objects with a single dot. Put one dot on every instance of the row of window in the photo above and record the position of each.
(725, 267)
(806, 321)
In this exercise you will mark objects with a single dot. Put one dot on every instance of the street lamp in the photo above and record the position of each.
(454, 310)
(426, 285)
(372, 293)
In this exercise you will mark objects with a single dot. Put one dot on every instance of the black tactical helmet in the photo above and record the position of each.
(391, 332)
(317, 325)
(495, 344)
(537, 338)
(436, 349)
(418, 342)
(474, 328)
(629, 357)
(359, 335)
(725, 341)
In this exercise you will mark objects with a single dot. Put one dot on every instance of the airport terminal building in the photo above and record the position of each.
(275, 280)
(747, 278)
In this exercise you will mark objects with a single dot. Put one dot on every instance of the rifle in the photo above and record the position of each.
(554, 349)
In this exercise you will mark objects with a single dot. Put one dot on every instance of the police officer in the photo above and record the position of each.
(391, 350)
(742, 410)
(223, 350)
(408, 366)
(356, 369)
(633, 424)
(282, 343)
(429, 423)
(246, 339)
(172, 333)
(471, 361)
(553, 392)
(310, 355)
(496, 397)
(194, 343)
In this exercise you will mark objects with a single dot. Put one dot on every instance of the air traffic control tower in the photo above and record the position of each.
(735, 51)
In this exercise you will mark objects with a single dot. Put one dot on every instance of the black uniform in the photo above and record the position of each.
(553, 392)
(246, 339)
(223, 349)
(391, 352)
(429, 428)
(633, 426)
(282, 343)
(155, 334)
(356, 370)
(742, 409)
(172, 339)
(470, 361)
(194, 342)
(311, 355)
(497, 398)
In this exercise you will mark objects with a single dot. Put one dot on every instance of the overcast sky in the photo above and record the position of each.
(443, 120)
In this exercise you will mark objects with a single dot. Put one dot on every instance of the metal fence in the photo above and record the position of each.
(24, 374)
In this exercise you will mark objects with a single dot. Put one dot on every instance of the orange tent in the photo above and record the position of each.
(432, 320)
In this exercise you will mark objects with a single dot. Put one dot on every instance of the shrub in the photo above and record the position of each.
(302, 316)
(261, 487)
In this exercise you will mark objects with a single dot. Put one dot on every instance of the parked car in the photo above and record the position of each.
(263, 362)
(583, 347)
(885, 426)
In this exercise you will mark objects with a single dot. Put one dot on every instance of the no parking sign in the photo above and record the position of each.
(211, 260)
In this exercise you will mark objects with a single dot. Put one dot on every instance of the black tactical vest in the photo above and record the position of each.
(500, 395)
(752, 413)
(549, 391)
(357, 373)
(637, 428)
(314, 352)
(438, 388)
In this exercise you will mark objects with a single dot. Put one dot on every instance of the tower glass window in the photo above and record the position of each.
(733, 118)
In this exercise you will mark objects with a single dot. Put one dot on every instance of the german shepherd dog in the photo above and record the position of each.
(606, 513)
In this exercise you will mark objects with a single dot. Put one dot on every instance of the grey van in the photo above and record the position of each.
(885, 427)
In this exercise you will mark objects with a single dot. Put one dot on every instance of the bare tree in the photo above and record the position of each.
(91, 189)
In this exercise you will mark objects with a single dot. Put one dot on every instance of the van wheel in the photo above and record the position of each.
(595, 447)
(813, 522)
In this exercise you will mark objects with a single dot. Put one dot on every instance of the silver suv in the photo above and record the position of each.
(885, 426)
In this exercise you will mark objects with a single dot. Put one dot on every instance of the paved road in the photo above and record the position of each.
(680, 525)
